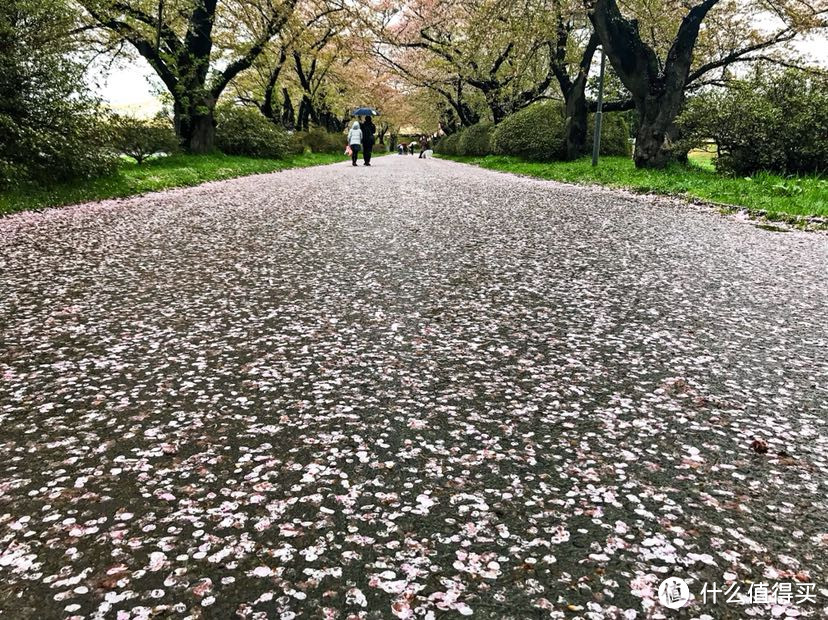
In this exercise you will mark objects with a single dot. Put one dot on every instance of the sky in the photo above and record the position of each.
(127, 88)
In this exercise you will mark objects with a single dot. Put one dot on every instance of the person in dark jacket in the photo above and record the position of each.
(368, 131)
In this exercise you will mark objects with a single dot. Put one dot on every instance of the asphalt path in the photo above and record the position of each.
(416, 390)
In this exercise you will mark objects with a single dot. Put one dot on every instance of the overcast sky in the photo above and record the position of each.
(128, 86)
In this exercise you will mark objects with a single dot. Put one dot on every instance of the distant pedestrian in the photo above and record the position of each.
(423, 147)
(400, 148)
(368, 131)
(355, 141)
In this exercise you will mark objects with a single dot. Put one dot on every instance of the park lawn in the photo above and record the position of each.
(161, 173)
(776, 196)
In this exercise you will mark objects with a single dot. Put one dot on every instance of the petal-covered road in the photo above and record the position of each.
(422, 390)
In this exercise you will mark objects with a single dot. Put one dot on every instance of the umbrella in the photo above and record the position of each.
(365, 112)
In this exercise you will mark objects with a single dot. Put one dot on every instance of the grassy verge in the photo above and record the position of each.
(131, 179)
(775, 196)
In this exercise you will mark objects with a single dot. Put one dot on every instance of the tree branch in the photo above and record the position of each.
(240, 64)
(174, 44)
(737, 55)
(141, 45)
(680, 56)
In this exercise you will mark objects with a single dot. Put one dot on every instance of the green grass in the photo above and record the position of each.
(161, 173)
(777, 196)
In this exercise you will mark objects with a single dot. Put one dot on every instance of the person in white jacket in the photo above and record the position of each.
(355, 141)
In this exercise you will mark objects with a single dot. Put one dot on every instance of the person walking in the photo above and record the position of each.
(355, 141)
(368, 131)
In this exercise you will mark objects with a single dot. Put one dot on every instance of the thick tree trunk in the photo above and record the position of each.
(658, 90)
(575, 127)
(649, 148)
(304, 115)
(195, 126)
(657, 130)
(498, 109)
(202, 138)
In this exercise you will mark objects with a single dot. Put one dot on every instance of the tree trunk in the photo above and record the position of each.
(195, 126)
(658, 90)
(304, 114)
(202, 137)
(574, 90)
(575, 127)
(288, 115)
(329, 120)
(657, 130)
(497, 108)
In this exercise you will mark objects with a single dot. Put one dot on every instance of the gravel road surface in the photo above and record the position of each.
(422, 390)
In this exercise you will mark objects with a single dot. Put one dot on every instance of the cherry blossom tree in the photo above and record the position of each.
(661, 55)
(196, 47)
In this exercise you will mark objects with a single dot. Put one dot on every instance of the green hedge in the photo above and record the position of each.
(475, 140)
(615, 135)
(538, 133)
(142, 138)
(244, 131)
(317, 140)
(535, 133)
(774, 121)
(448, 144)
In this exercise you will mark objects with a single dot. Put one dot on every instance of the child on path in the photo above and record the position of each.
(355, 141)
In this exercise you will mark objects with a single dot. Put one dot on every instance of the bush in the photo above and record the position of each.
(50, 127)
(317, 140)
(535, 133)
(774, 121)
(447, 145)
(244, 131)
(475, 140)
(615, 135)
(296, 143)
(142, 138)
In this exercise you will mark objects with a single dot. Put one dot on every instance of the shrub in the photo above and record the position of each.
(317, 140)
(322, 141)
(615, 135)
(142, 138)
(50, 127)
(447, 145)
(774, 121)
(296, 143)
(475, 140)
(536, 133)
(244, 131)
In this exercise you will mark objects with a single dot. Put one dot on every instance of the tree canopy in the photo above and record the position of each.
(425, 64)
